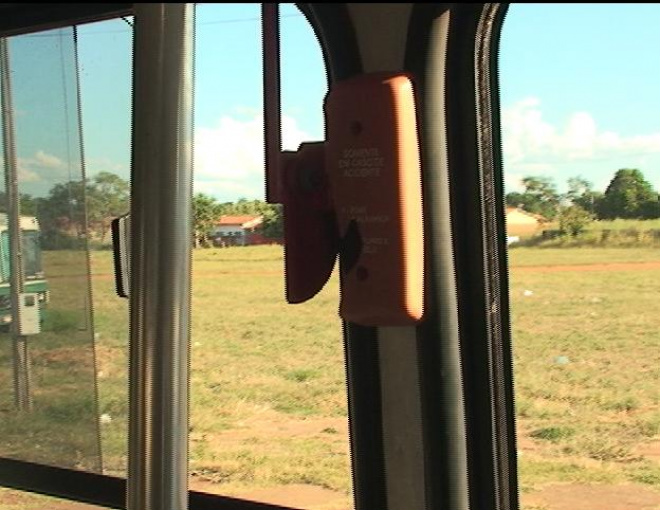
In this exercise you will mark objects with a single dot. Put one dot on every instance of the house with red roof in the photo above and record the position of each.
(237, 230)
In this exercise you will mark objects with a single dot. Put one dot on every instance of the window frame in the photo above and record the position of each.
(480, 335)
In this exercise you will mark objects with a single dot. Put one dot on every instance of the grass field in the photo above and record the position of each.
(587, 364)
(268, 400)
(601, 233)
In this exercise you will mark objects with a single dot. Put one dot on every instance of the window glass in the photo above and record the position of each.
(47, 379)
(268, 393)
(268, 397)
(581, 144)
(105, 62)
(32, 254)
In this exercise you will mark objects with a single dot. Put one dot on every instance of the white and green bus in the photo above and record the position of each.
(35, 282)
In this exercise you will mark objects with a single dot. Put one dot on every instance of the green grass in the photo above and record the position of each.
(257, 365)
(62, 427)
(617, 224)
(553, 434)
(268, 396)
(603, 233)
(531, 256)
(586, 417)
(620, 224)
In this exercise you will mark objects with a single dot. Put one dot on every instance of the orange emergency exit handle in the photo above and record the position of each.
(373, 164)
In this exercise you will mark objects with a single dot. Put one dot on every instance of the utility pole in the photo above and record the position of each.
(20, 352)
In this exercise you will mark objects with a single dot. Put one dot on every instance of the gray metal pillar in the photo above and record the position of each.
(161, 237)
(20, 351)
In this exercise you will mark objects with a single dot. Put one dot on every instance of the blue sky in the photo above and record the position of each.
(579, 89)
(578, 82)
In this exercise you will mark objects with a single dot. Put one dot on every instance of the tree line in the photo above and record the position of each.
(65, 222)
(63, 219)
(629, 195)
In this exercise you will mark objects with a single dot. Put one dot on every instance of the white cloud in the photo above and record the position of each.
(532, 146)
(96, 165)
(38, 172)
(229, 158)
(513, 182)
(45, 160)
(40, 167)
(27, 175)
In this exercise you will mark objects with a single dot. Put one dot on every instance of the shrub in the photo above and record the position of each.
(553, 434)
(574, 220)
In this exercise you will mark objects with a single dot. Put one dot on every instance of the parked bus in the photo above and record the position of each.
(35, 281)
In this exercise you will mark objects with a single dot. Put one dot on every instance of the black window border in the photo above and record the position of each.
(26, 18)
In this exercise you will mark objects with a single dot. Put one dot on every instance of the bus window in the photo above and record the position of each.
(581, 145)
(268, 398)
(32, 254)
(48, 391)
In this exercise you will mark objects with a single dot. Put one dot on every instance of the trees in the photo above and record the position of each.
(62, 216)
(28, 204)
(573, 219)
(580, 193)
(273, 226)
(629, 195)
(108, 197)
(540, 197)
(62, 212)
(205, 212)
(64, 220)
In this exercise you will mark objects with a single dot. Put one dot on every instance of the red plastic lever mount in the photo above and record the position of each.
(358, 195)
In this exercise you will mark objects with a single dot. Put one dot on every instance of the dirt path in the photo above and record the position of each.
(555, 496)
(575, 496)
(614, 266)
(307, 497)
(570, 496)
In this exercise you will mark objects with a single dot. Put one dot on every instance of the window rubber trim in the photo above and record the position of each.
(476, 196)
(101, 490)
(19, 19)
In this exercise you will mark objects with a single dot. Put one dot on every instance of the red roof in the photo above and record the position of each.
(240, 220)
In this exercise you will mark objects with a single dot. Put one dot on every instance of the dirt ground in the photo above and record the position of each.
(551, 497)
(566, 496)
(615, 266)
(577, 496)
(309, 497)
(593, 497)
